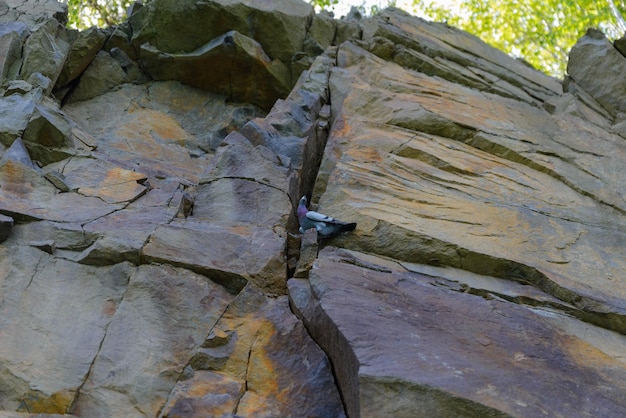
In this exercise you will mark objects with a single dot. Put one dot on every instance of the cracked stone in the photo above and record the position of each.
(104, 180)
(173, 309)
(82, 305)
(405, 314)
(280, 371)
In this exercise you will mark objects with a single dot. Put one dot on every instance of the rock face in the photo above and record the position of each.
(149, 260)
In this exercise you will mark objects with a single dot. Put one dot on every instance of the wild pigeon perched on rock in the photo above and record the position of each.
(325, 225)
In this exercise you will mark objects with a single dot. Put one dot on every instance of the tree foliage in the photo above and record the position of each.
(85, 13)
(540, 31)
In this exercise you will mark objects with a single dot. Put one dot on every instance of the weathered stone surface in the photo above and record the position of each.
(308, 253)
(58, 180)
(15, 112)
(257, 361)
(384, 328)
(237, 229)
(6, 414)
(33, 12)
(322, 30)
(45, 377)
(66, 236)
(157, 128)
(118, 39)
(18, 86)
(231, 64)
(204, 394)
(10, 52)
(18, 154)
(123, 234)
(82, 52)
(46, 134)
(159, 219)
(437, 49)
(603, 82)
(290, 128)
(207, 117)
(26, 194)
(245, 184)
(102, 179)
(566, 200)
(230, 255)
(173, 310)
(103, 74)
(280, 27)
(45, 52)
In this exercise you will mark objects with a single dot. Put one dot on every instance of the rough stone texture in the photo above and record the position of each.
(45, 52)
(280, 27)
(83, 51)
(309, 248)
(48, 135)
(91, 191)
(15, 111)
(103, 74)
(153, 230)
(249, 50)
(171, 309)
(608, 88)
(408, 344)
(441, 171)
(10, 51)
(562, 179)
(45, 377)
(231, 64)
(255, 362)
(33, 12)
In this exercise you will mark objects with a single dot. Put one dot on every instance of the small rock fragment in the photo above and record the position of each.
(58, 180)
(186, 204)
(308, 253)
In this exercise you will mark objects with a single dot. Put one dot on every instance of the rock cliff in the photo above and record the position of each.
(150, 263)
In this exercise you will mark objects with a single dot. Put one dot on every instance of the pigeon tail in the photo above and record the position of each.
(329, 230)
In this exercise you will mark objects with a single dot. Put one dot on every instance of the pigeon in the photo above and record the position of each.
(326, 226)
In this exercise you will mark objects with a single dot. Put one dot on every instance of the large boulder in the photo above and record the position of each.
(103, 74)
(244, 49)
(604, 82)
(12, 35)
(45, 52)
(279, 26)
(231, 64)
(83, 50)
(430, 344)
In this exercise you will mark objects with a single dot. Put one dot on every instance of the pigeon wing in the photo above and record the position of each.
(319, 217)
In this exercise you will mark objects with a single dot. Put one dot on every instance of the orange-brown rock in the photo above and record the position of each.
(148, 228)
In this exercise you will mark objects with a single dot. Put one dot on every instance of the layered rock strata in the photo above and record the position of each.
(148, 179)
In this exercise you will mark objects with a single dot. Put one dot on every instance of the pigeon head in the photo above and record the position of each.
(302, 210)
